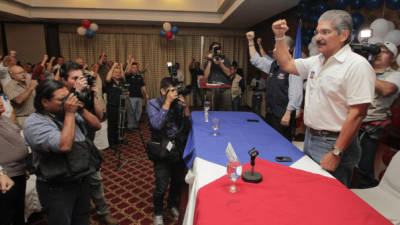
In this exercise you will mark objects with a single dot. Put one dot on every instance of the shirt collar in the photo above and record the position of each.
(388, 69)
(340, 55)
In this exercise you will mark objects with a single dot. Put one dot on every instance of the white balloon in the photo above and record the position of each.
(398, 60)
(380, 27)
(311, 46)
(81, 30)
(392, 26)
(167, 26)
(314, 40)
(374, 40)
(393, 36)
(314, 51)
(94, 27)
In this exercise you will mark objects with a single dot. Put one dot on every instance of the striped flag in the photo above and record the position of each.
(297, 48)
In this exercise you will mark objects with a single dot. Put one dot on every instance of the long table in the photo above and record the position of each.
(204, 154)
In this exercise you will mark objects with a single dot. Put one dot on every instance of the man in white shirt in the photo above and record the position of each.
(180, 75)
(340, 88)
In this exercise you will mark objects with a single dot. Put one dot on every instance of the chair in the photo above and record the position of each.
(385, 198)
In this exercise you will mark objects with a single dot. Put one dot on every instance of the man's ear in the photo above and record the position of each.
(163, 91)
(45, 102)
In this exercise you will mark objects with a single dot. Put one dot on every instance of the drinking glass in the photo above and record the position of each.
(234, 171)
(206, 108)
(215, 126)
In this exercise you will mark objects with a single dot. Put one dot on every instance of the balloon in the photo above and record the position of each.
(313, 51)
(303, 6)
(168, 35)
(391, 25)
(398, 60)
(314, 40)
(81, 31)
(314, 17)
(358, 20)
(393, 36)
(373, 4)
(379, 27)
(320, 8)
(174, 30)
(167, 26)
(94, 27)
(162, 33)
(374, 40)
(311, 46)
(85, 23)
(392, 4)
(356, 4)
(341, 4)
(89, 33)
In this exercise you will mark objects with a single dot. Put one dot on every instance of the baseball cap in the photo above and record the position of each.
(390, 46)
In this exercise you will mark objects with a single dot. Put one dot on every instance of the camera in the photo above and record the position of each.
(365, 49)
(90, 79)
(183, 90)
(217, 56)
(172, 70)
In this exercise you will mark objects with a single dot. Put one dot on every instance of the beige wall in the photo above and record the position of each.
(28, 40)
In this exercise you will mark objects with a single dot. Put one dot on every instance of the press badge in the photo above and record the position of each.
(170, 145)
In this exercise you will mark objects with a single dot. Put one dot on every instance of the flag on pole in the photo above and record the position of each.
(297, 48)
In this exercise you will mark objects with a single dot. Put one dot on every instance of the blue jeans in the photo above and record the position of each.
(317, 146)
(97, 193)
(134, 112)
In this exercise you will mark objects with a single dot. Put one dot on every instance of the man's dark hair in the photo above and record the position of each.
(45, 90)
(212, 44)
(60, 56)
(235, 64)
(68, 67)
(166, 82)
(134, 64)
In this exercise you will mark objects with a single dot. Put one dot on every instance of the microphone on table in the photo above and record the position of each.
(252, 176)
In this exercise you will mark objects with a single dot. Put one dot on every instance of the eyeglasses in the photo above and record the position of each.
(20, 72)
(323, 31)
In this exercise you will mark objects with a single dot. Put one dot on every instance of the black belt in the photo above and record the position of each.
(323, 132)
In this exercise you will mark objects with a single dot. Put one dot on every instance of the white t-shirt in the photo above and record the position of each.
(180, 76)
(345, 79)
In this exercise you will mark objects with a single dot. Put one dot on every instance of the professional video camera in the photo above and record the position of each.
(172, 70)
(363, 47)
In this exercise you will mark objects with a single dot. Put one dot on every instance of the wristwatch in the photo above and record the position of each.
(337, 151)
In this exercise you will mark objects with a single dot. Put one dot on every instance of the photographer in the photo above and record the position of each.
(114, 86)
(169, 118)
(387, 86)
(62, 156)
(217, 70)
(84, 85)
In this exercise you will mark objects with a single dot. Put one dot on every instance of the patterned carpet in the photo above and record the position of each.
(129, 191)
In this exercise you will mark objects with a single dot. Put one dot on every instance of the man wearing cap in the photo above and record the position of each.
(340, 88)
(284, 91)
(387, 85)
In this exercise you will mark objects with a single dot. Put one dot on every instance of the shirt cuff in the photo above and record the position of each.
(291, 108)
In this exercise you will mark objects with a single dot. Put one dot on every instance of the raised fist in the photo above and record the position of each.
(279, 28)
(250, 35)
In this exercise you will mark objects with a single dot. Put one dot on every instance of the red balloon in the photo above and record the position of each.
(169, 35)
(85, 23)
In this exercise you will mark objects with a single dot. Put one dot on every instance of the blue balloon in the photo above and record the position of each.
(373, 4)
(303, 6)
(392, 4)
(341, 4)
(89, 33)
(174, 30)
(357, 4)
(314, 17)
(320, 7)
(358, 20)
(162, 33)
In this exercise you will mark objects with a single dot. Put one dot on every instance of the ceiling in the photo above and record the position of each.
(213, 13)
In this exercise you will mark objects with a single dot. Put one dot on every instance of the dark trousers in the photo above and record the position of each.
(275, 122)
(256, 104)
(113, 114)
(165, 172)
(236, 103)
(365, 173)
(66, 203)
(12, 203)
(197, 92)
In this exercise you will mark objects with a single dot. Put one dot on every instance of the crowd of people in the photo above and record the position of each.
(62, 110)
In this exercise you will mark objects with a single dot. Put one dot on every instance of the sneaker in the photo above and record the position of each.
(158, 220)
(174, 212)
(109, 220)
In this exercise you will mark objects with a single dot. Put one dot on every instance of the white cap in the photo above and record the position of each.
(391, 47)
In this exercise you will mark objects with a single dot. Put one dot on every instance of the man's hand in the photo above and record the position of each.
(45, 57)
(171, 96)
(5, 183)
(13, 53)
(217, 61)
(286, 119)
(279, 28)
(250, 36)
(330, 162)
(259, 41)
(80, 83)
(72, 104)
(33, 84)
(94, 88)
(52, 58)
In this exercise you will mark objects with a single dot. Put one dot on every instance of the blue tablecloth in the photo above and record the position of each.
(243, 136)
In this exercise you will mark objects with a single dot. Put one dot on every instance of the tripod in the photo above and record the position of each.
(123, 104)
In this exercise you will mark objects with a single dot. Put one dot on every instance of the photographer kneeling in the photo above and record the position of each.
(170, 124)
(62, 156)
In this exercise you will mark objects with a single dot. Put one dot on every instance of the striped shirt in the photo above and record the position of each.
(295, 92)
(13, 89)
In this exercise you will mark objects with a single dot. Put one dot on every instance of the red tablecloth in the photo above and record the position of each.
(285, 196)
